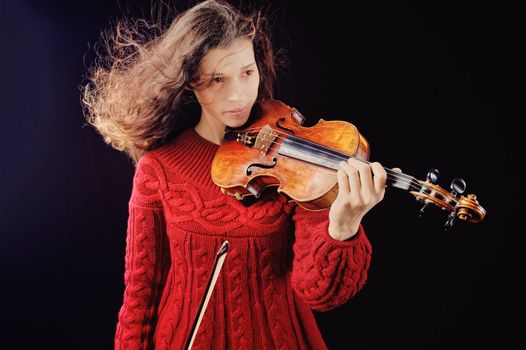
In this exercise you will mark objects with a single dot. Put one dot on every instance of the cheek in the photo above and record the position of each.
(205, 97)
(254, 85)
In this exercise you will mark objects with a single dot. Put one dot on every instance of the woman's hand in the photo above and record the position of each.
(361, 186)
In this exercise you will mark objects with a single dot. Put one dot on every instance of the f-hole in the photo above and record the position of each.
(282, 127)
(263, 166)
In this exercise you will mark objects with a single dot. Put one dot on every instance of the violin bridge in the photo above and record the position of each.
(265, 139)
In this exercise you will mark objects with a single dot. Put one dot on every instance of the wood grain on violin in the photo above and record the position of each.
(274, 149)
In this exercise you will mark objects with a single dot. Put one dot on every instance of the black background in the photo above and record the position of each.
(429, 84)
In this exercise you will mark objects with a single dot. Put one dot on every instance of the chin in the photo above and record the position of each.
(237, 122)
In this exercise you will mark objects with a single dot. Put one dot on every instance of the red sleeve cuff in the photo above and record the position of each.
(350, 242)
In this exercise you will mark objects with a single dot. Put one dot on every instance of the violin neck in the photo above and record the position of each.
(401, 181)
(315, 153)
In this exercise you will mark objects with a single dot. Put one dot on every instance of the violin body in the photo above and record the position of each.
(276, 150)
(270, 168)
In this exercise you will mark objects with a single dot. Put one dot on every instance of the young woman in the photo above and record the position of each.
(166, 101)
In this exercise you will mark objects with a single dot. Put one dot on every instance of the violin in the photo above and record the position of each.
(276, 150)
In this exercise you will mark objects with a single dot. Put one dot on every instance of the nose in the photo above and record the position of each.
(235, 90)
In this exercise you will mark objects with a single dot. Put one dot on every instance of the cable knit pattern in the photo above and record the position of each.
(145, 253)
(281, 265)
(325, 275)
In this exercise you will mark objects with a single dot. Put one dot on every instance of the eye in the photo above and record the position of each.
(249, 72)
(217, 80)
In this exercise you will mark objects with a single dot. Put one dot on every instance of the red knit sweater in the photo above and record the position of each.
(281, 264)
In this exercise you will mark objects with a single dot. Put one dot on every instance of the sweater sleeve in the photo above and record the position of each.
(146, 260)
(326, 272)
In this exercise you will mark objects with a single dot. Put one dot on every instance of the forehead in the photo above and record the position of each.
(228, 59)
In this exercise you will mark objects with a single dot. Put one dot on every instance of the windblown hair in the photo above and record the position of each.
(138, 94)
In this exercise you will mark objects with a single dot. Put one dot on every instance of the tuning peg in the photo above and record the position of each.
(458, 186)
(432, 177)
(422, 210)
(450, 221)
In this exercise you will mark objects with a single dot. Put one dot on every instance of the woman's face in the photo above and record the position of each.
(230, 80)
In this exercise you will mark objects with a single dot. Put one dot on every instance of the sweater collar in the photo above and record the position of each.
(191, 156)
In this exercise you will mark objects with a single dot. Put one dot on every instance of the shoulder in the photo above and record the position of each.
(173, 147)
(164, 159)
(154, 168)
(148, 182)
(156, 158)
(158, 161)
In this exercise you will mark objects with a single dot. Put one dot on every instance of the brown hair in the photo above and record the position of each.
(138, 92)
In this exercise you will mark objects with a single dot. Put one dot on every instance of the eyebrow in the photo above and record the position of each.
(242, 68)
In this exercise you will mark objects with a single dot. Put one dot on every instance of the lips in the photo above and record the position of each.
(237, 110)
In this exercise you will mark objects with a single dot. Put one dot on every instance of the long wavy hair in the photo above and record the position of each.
(138, 92)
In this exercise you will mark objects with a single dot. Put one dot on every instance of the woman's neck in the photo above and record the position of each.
(211, 130)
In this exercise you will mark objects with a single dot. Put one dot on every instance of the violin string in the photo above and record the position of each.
(395, 175)
(391, 174)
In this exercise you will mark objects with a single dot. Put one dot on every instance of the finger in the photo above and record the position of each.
(380, 177)
(353, 180)
(398, 170)
(343, 181)
(366, 176)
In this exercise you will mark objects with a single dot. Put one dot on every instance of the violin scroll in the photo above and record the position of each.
(274, 149)
(465, 208)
